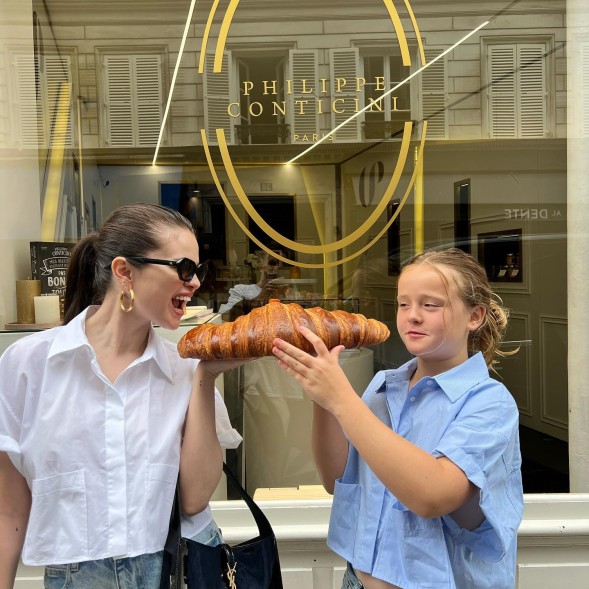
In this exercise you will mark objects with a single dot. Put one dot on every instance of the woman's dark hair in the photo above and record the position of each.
(131, 230)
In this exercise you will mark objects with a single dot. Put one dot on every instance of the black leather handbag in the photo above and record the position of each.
(253, 564)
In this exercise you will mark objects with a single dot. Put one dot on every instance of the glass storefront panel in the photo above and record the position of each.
(315, 147)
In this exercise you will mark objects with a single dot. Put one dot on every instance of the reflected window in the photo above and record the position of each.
(251, 105)
(262, 103)
(385, 117)
(518, 91)
(132, 99)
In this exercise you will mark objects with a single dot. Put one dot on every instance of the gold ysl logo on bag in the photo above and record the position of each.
(231, 575)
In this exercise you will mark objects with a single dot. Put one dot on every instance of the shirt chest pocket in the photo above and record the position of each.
(160, 484)
(58, 520)
(423, 547)
(344, 518)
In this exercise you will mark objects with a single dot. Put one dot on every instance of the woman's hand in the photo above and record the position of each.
(211, 369)
(320, 376)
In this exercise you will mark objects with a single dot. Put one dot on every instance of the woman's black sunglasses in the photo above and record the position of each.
(187, 269)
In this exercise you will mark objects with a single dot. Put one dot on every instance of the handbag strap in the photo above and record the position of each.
(174, 532)
(171, 557)
(262, 522)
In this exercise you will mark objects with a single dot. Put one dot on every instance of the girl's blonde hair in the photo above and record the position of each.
(473, 289)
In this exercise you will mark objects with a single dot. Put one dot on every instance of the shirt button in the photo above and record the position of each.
(430, 382)
(412, 399)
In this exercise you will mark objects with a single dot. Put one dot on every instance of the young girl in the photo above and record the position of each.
(425, 467)
(92, 414)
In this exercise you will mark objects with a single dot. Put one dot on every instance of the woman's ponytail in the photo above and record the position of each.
(80, 285)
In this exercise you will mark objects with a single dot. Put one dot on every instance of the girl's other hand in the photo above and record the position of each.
(321, 376)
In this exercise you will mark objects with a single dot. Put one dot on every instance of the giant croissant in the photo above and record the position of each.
(251, 336)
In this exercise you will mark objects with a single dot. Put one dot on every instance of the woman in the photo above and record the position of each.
(97, 416)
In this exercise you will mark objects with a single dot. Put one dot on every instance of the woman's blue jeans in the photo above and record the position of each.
(350, 580)
(138, 572)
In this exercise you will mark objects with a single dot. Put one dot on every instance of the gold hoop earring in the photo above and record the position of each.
(131, 296)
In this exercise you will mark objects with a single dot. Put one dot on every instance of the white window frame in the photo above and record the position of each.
(134, 54)
(386, 56)
(549, 84)
(234, 55)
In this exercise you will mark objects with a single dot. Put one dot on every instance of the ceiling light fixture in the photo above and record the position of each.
(176, 68)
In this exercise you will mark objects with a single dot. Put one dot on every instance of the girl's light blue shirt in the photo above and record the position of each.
(471, 419)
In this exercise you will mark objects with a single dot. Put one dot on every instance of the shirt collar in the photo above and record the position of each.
(73, 336)
(454, 382)
(397, 375)
(156, 350)
(460, 379)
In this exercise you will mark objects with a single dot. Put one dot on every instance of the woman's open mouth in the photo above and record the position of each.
(180, 303)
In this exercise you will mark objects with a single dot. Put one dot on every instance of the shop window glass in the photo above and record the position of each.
(498, 108)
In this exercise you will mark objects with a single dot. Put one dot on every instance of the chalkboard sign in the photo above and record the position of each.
(49, 262)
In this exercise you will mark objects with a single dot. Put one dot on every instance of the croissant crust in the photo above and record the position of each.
(251, 335)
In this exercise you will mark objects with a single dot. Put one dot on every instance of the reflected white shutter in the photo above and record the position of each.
(584, 127)
(149, 98)
(434, 95)
(344, 64)
(532, 90)
(119, 100)
(56, 75)
(303, 111)
(28, 121)
(133, 99)
(217, 94)
(36, 105)
(518, 94)
(502, 91)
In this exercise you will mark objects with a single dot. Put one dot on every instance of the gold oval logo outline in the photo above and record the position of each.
(334, 245)
(367, 225)
(246, 230)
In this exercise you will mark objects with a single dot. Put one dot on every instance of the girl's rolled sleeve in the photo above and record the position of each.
(489, 456)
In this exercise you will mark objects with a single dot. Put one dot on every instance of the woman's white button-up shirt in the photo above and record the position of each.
(101, 458)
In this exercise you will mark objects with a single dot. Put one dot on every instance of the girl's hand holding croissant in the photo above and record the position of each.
(321, 376)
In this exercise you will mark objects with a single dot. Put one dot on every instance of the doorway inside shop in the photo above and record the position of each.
(202, 205)
(278, 211)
